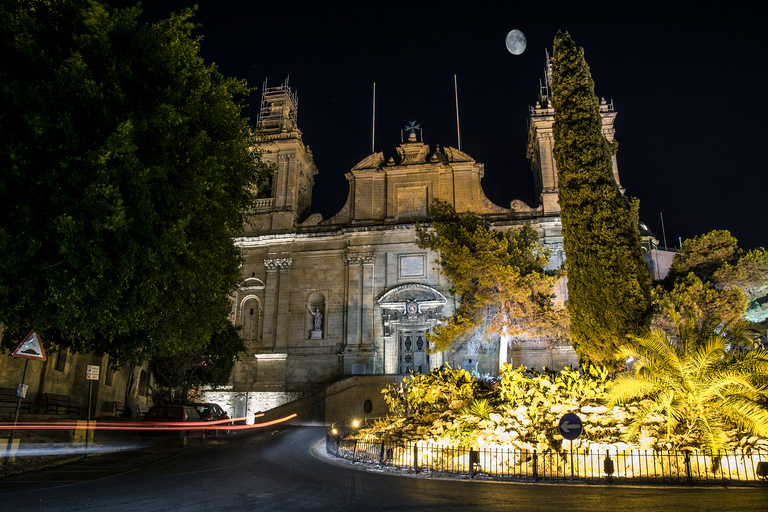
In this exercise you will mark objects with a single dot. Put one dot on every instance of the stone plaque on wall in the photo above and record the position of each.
(358, 369)
(412, 265)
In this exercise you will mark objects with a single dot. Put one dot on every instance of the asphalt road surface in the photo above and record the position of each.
(275, 470)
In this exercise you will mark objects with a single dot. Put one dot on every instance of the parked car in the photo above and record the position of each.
(214, 412)
(173, 422)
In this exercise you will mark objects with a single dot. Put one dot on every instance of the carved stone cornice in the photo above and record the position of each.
(359, 258)
(278, 263)
(555, 247)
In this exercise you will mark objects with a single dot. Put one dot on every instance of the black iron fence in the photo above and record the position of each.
(646, 466)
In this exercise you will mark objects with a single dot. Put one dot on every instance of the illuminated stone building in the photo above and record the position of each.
(353, 294)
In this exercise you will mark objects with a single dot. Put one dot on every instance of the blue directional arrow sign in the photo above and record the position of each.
(570, 426)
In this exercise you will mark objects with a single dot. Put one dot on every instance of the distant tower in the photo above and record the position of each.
(541, 143)
(288, 200)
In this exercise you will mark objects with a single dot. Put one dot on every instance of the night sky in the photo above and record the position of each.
(687, 81)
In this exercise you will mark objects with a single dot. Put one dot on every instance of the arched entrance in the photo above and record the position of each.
(408, 313)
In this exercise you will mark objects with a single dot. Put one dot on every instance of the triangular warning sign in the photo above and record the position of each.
(30, 348)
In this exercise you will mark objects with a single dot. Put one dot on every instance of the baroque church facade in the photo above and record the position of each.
(354, 294)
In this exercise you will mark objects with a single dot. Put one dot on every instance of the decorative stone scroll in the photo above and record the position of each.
(278, 263)
(359, 258)
(519, 206)
(411, 304)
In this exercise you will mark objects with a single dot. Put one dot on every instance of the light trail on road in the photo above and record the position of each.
(144, 425)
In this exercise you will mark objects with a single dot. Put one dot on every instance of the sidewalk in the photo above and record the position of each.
(43, 448)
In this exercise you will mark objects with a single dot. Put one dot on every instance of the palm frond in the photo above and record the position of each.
(699, 387)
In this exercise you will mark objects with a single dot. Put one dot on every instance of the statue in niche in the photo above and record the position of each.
(317, 332)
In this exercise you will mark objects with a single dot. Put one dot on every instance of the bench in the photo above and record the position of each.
(54, 402)
(8, 398)
(114, 408)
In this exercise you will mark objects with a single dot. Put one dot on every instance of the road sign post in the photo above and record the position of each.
(92, 374)
(570, 428)
(31, 347)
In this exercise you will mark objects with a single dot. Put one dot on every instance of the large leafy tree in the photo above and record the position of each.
(211, 364)
(711, 277)
(608, 282)
(126, 171)
(499, 277)
(693, 379)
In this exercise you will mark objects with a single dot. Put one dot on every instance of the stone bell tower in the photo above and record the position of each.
(287, 200)
(541, 143)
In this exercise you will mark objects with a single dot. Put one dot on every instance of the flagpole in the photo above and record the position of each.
(456, 93)
(373, 131)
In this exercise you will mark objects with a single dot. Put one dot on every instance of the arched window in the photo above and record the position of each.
(250, 310)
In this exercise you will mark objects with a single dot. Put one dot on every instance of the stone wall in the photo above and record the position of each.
(342, 400)
(260, 401)
(64, 373)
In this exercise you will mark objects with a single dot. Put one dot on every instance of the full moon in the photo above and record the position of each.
(516, 42)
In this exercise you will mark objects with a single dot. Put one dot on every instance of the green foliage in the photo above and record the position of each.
(689, 295)
(749, 274)
(608, 282)
(464, 435)
(704, 255)
(712, 278)
(479, 408)
(538, 391)
(699, 387)
(126, 171)
(499, 277)
(441, 389)
(212, 364)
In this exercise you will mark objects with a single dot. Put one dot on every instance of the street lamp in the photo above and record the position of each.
(248, 372)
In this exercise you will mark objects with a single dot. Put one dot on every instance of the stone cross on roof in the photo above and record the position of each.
(413, 127)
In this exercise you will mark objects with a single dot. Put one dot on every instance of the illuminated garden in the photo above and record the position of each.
(691, 407)
(674, 376)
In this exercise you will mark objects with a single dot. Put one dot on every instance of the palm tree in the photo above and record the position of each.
(696, 382)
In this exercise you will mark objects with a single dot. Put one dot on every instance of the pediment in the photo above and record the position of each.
(372, 161)
(424, 295)
(455, 155)
(252, 283)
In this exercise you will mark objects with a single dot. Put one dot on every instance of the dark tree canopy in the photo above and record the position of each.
(499, 278)
(212, 364)
(608, 282)
(126, 169)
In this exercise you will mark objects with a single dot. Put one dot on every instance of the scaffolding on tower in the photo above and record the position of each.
(279, 108)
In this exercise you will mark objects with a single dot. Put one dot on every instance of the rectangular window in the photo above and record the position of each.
(61, 359)
(143, 378)
(108, 373)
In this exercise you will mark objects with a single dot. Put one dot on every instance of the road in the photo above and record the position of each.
(275, 471)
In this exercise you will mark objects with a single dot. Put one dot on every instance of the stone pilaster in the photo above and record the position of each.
(359, 347)
(276, 303)
(353, 294)
(367, 298)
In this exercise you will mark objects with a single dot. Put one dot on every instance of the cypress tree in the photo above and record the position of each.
(608, 282)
